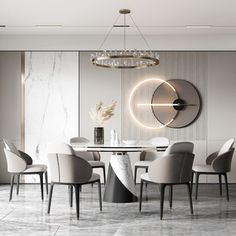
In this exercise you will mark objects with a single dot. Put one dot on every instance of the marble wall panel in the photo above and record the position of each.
(51, 101)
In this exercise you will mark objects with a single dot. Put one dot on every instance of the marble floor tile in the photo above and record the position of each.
(26, 214)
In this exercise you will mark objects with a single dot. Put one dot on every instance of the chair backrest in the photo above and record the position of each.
(15, 163)
(11, 147)
(79, 140)
(65, 167)
(175, 166)
(222, 163)
(59, 147)
(88, 156)
(159, 141)
(179, 147)
(226, 146)
(152, 155)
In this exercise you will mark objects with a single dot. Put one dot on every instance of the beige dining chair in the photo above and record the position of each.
(147, 157)
(71, 170)
(174, 168)
(94, 158)
(218, 163)
(20, 163)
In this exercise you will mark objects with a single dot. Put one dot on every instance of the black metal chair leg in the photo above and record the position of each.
(220, 184)
(100, 195)
(135, 174)
(104, 175)
(162, 191)
(77, 198)
(12, 184)
(41, 184)
(70, 189)
(146, 169)
(46, 181)
(18, 184)
(226, 186)
(197, 180)
(190, 198)
(170, 195)
(50, 197)
(141, 196)
(192, 182)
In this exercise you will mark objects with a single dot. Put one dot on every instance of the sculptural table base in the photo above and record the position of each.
(120, 186)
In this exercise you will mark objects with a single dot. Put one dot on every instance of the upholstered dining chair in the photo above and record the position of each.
(173, 168)
(71, 170)
(94, 158)
(218, 163)
(147, 157)
(20, 163)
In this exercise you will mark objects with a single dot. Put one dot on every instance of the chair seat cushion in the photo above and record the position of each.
(145, 176)
(94, 177)
(143, 163)
(96, 163)
(35, 168)
(203, 168)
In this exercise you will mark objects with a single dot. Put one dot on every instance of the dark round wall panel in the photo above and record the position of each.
(185, 109)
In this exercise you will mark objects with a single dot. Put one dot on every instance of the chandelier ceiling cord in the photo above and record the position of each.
(125, 59)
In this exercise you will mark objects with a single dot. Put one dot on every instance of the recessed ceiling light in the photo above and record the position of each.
(198, 26)
(48, 26)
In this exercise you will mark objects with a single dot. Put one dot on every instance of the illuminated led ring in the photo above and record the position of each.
(130, 100)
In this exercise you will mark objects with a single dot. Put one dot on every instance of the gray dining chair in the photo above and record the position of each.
(147, 157)
(71, 170)
(218, 163)
(174, 168)
(94, 158)
(20, 163)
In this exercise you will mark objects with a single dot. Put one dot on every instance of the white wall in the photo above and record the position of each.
(97, 84)
(221, 102)
(51, 102)
(10, 104)
(213, 73)
(103, 84)
(92, 42)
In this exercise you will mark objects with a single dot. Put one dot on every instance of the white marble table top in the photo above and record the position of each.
(108, 147)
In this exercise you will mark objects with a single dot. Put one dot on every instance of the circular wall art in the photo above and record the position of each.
(183, 110)
(134, 104)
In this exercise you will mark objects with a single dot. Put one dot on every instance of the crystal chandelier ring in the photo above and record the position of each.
(146, 61)
(125, 59)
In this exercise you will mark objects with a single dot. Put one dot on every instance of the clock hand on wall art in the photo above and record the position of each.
(175, 103)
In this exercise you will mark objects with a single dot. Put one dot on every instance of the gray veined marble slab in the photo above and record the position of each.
(51, 101)
(26, 214)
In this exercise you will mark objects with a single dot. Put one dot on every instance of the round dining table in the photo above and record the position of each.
(120, 187)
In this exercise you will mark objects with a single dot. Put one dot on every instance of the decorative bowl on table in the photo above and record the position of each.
(129, 142)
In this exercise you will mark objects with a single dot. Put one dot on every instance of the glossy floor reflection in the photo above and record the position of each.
(26, 214)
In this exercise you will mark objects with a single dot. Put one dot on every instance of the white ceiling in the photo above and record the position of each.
(154, 17)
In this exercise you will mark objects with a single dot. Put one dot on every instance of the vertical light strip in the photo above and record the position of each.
(22, 122)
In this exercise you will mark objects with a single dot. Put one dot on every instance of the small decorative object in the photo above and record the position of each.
(116, 141)
(98, 135)
(99, 114)
(112, 139)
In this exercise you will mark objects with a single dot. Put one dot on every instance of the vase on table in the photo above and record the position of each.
(98, 135)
